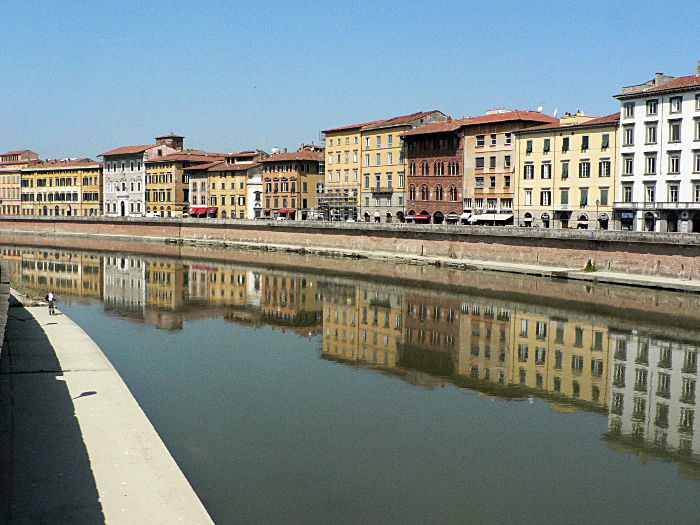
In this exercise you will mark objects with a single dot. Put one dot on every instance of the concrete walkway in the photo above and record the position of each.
(76, 448)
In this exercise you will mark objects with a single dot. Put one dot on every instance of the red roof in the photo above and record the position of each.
(404, 119)
(60, 164)
(220, 165)
(352, 126)
(676, 83)
(613, 118)
(190, 155)
(295, 155)
(452, 125)
(126, 150)
(170, 136)
(18, 152)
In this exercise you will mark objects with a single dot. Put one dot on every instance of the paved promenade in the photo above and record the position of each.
(76, 448)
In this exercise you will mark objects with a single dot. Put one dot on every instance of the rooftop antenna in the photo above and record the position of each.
(556, 110)
(539, 109)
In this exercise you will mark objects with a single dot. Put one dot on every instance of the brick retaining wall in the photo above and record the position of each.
(643, 253)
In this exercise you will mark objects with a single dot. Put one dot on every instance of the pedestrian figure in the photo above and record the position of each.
(51, 298)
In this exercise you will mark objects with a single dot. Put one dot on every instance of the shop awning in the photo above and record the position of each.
(267, 210)
(422, 217)
(290, 210)
(491, 217)
(197, 211)
(627, 215)
(212, 210)
(465, 216)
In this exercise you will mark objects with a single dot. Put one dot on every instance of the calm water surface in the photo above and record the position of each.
(290, 397)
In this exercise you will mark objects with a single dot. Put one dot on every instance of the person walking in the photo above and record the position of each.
(51, 298)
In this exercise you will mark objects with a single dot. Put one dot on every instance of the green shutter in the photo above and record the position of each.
(565, 196)
(564, 170)
(528, 147)
(546, 145)
(606, 141)
(584, 142)
(565, 144)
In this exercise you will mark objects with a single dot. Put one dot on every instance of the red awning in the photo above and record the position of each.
(418, 217)
(211, 210)
(197, 211)
(291, 210)
(267, 210)
(282, 211)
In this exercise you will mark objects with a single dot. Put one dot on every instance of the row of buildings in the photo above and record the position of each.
(645, 378)
(637, 169)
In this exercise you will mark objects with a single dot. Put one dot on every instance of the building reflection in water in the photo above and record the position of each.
(643, 379)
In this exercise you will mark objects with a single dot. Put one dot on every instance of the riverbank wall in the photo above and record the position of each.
(662, 255)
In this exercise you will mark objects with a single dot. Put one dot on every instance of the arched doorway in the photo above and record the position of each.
(545, 220)
(56, 211)
(582, 222)
(366, 216)
(649, 222)
(122, 205)
(377, 217)
(69, 211)
(696, 223)
(527, 219)
(388, 217)
(438, 217)
(46, 210)
(400, 216)
(603, 220)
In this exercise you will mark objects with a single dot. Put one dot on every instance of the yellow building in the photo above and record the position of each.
(564, 357)
(166, 285)
(62, 188)
(566, 172)
(341, 327)
(167, 183)
(64, 273)
(290, 301)
(11, 164)
(383, 180)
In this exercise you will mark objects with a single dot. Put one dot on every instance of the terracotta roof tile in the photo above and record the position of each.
(126, 150)
(403, 119)
(295, 155)
(676, 83)
(352, 126)
(222, 166)
(18, 152)
(61, 164)
(598, 121)
(452, 125)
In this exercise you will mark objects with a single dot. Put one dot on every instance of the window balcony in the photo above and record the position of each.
(382, 189)
(562, 207)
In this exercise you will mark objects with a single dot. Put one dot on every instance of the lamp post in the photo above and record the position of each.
(597, 222)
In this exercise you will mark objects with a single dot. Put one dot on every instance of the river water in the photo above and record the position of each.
(290, 395)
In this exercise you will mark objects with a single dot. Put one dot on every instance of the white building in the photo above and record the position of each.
(659, 165)
(124, 175)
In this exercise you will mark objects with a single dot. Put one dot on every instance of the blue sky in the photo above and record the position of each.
(80, 78)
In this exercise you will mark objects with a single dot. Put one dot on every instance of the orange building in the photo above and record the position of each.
(10, 176)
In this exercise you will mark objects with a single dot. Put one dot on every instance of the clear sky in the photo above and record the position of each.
(80, 78)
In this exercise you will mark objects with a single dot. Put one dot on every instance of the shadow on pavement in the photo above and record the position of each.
(46, 477)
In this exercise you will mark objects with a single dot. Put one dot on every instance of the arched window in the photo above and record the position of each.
(453, 193)
(412, 193)
(223, 214)
(438, 193)
(412, 169)
(424, 170)
(424, 192)
(439, 168)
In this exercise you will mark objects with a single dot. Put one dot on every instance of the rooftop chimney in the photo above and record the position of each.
(697, 69)
(657, 78)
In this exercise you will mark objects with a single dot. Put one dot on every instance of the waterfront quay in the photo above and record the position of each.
(76, 446)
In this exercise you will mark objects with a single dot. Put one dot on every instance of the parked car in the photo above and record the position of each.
(152, 214)
(280, 218)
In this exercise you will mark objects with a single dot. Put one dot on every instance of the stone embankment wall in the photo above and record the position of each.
(4, 301)
(642, 253)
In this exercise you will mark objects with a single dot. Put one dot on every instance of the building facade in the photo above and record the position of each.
(489, 164)
(383, 179)
(292, 183)
(11, 163)
(659, 188)
(62, 188)
(566, 173)
(125, 175)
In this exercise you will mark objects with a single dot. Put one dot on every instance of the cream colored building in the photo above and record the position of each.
(566, 173)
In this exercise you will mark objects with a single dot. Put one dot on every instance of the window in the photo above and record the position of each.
(479, 163)
(628, 136)
(628, 164)
(529, 172)
(605, 143)
(379, 141)
(565, 170)
(584, 142)
(480, 141)
(367, 142)
(492, 163)
(564, 195)
(390, 140)
(584, 196)
(697, 129)
(546, 171)
(627, 193)
(696, 192)
(676, 104)
(628, 109)
(650, 164)
(604, 168)
(402, 180)
(604, 196)
(479, 182)
(547, 144)
(378, 159)
(696, 162)
(674, 131)
(674, 162)
(508, 139)
(528, 146)
(492, 182)
(649, 193)
(650, 134)
(565, 144)
(390, 158)
(494, 139)
(545, 197)
(697, 102)
(506, 181)
(673, 193)
(506, 162)
(528, 197)
(584, 169)
(479, 203)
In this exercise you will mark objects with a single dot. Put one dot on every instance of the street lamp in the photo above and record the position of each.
(597, 203)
